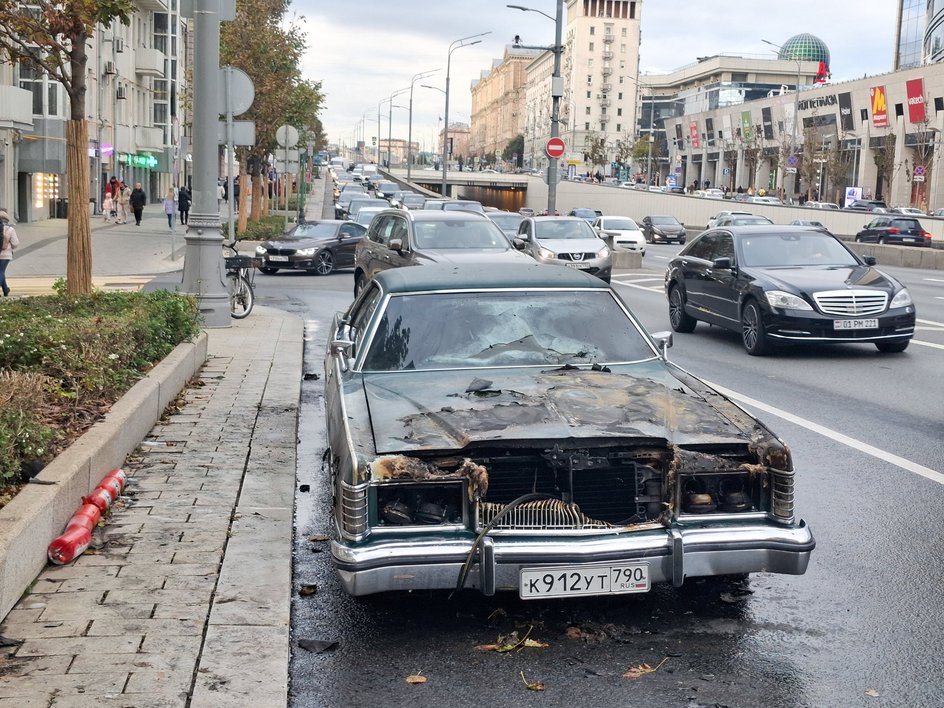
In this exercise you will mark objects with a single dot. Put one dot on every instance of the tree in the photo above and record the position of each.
(729, 151)
(515, 147)
(52, 36)
(751, 150)
(595, 150)
(884, 158)
(837, 167)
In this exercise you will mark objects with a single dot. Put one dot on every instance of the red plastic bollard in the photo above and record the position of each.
(86, 517)
(69, 545)
(100, 497)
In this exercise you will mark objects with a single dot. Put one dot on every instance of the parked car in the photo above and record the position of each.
(675, 189)
(357, 204)
(908, 211)
(937, 212)
(588, 215)
(623, 232)
(742, 220)
(712, 222)
(875, 205)
(507, 221)
(399, 237)
(821, 205)
(663, 228)
(786, 284)
(316, 246)
(565, 240)
(765, 200)
(411, 200)
(463, 205)
(809, 222)
(891, 229)
(713, 193)
(514, 429)
(526, 211)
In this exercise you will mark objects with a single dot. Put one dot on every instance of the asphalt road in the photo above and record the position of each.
(864, 626)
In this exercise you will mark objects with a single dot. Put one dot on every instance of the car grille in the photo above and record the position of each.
(853, 303)
(280, 251)
(576, 257)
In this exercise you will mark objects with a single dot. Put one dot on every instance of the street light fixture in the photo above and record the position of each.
(557, 90)
(462, 42)
(409, 132)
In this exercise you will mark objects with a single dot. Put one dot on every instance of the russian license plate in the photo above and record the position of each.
(581, 266)
(908, 240)
(855, 324)
(573, 581)
(279, 259)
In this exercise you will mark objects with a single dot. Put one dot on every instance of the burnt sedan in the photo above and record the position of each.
(316, 246)
(786, 284)
(505, 427)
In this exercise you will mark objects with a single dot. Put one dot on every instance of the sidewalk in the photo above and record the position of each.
(187, 595)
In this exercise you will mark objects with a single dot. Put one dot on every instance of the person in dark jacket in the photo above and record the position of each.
(138, 200)
(183, 204)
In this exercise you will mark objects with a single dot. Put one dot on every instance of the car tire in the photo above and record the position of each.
(324, 262)
(892, 347)
(680, 320)
(753, 334)
(681, 242)
(267, 270)
(857, 239)
(881, 240)
(358, 283)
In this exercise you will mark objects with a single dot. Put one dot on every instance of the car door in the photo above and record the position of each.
(526, 235)
(720, 289)
(372, 250)
(348, 236)
(694, 266)
(874, 229)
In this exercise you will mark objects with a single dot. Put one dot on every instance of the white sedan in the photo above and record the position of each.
(623, 231)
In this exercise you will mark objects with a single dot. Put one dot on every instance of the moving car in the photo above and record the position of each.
(809, 222)
(741, 220)
(398, 238)
(663, 228)
(384, 189)
(712, 222)
(821, 205)
(412, 200)
(786, 284)
(507, 221)
(508, 428)
(909, 211)
(316, 246)
(567, 241)
(899, 230)
(876, 205)
(357, 204)
(588, 215)
(463, 205)
(623, 232)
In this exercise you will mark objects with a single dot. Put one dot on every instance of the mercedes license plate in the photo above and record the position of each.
(581, 266)
(855, 324)
(279, 259)
(573, 581)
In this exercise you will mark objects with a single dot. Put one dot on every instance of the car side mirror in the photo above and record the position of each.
(722, 263)
(869, 260)
(396, 244)
(518, 244)
(663, 341)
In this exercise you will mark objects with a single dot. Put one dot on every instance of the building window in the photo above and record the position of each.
(586, 126)
(45, 91)
(591, 46)
(588, 94)
(619, 127)
(619, 96)
(623, 32)
(593, 30)
(589, 78)
(622, 48)
(619, 111)
(587, 110)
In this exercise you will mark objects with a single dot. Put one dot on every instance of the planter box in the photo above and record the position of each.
(39, 513)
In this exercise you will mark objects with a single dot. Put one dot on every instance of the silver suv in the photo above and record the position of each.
(565, 240)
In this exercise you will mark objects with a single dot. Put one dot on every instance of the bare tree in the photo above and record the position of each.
(595, 150)
(884, 157)
(837, 168)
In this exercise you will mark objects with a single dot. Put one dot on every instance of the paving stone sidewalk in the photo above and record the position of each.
(185, 601)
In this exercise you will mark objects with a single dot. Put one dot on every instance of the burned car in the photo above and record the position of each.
(512, 427)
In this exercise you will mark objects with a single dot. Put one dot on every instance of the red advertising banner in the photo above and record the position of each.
(879, 107)
(693, 129)
(916, 110)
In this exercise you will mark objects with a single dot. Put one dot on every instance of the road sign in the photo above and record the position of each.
(244, 132)
(919, 170)
(678, 170)
(917, 178)
(239, 87)
(791, 170)
(286, 136)
(555, 147)
(726, 171)
(792, 161)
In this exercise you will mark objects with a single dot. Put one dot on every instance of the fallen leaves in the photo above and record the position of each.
(306, 590)
(318, 537)
(640, 670)
(532, 685)
(511, 642)
(872, 693)
(416, 679)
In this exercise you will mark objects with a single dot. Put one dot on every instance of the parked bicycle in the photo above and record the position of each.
(240, 273)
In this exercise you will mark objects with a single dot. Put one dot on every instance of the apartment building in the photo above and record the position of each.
(136, 76)
(498, 100)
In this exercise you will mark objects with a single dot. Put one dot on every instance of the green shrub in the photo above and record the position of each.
(268, 227)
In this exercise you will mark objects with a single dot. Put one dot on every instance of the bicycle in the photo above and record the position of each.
(240, 273)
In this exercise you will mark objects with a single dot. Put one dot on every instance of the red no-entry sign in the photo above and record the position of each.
(554, 147)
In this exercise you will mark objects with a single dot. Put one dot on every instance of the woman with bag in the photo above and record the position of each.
(8, 241)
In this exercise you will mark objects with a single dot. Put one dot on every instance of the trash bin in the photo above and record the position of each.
(62, 208)
(93, 207)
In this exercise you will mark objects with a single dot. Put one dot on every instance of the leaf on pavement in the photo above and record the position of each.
(532, 685)
(511, 642)
(306, 590)
(871, 692)
(318, 537)
(535, 644)
(415, 679)
(643, 669)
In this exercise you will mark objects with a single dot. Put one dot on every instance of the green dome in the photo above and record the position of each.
(805, 47)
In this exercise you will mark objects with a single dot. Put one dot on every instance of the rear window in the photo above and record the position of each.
(906, 224)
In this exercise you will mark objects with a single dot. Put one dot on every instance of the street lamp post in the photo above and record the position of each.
(796, 115)
(409, 132)
(462, 42)
(557, 90)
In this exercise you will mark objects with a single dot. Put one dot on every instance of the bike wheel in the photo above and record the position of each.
(241, 297)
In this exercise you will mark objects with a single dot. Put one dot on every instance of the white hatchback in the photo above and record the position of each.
(623, 231)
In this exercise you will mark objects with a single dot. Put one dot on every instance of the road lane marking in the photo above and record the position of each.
(927, 344)
(930, 322)
(858, 445)
(934, 280)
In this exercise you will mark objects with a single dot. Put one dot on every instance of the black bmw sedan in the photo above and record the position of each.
(786, 284)
(316, 246)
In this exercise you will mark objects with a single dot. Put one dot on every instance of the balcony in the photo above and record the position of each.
(605, 102)
(16, 108)
(148, 138)
(151, 5)
(607, 55)
(607, 88)
(609, 37)
(607, 70)
(149, 62)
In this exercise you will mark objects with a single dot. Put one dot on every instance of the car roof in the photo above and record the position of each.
(485, 276)
(438, 215)
(759, 229)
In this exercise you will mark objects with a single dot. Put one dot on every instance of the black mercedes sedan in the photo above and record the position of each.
(316, 246)
(786, 284)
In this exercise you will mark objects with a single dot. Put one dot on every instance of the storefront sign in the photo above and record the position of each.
(915, 90)
(768, 123)
(879, 107)
(818, 102)
(693, 130)
(747, 125)
(146, 161)
(846, 121)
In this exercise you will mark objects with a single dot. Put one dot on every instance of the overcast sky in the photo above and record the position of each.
(363, 51)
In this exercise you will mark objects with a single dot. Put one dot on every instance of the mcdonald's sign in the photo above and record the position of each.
(879, 107)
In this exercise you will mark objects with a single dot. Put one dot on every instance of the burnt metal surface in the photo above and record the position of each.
(433, 410)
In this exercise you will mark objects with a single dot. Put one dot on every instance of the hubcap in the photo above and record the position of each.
(750, 328)
(325, 263)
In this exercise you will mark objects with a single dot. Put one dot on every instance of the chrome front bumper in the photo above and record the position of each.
(674, 554)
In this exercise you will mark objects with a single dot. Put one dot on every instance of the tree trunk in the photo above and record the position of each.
(257, 197)
(79, 241)
(244, 198)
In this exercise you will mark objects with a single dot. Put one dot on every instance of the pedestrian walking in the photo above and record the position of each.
(236, 193)
(169, 207)
(108, 208)
(137, 199)
(124, 202)
(183, 204)
(8, 241)
(220, 195)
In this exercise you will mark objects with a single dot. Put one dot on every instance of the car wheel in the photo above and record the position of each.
(268, 271)
(752, 330)
(681, 242)
(358, 283)
(680, 320)
(892, 347)
(881, 240)
(324, 263)
(857, 239)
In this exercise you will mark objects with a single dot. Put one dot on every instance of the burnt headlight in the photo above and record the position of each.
(720, 493)
(423, 504)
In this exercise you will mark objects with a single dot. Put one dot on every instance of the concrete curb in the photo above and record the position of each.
(39, 512)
